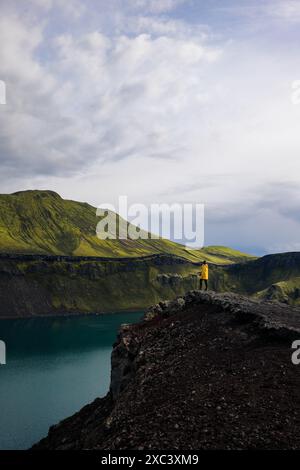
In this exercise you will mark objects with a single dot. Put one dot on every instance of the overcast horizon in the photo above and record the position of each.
(165, 101)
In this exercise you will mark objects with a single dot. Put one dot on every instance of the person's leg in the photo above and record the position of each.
(201, 281)
(206, 284)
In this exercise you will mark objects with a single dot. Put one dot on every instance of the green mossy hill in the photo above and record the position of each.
(284, 291)
(41, 222)
(271, 277)
(223, 255)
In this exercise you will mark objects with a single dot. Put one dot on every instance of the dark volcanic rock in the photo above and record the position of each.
(207, 371)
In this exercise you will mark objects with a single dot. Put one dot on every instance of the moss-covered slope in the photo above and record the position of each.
(283, 291)
(272, 277)
(41, 222)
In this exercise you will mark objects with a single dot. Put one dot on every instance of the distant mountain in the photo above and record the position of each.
(272, 277)
(222, 255)
(41, 222)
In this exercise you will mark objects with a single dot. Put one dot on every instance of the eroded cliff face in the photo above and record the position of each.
(124, 361)
(255, 276)
(205, 371)
(54, 285)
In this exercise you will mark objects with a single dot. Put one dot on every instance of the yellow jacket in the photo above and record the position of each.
(204, 271)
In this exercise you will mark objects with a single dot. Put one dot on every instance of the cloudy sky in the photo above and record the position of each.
(161, 100)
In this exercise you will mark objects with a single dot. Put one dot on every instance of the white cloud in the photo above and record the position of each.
(44, 4)
(69, 9)
(156, 6)
(260, 12)
(85, 104)
(163, 26)
(285, 9)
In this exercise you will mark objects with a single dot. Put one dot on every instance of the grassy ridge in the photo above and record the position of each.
(41, 222)
(222, 255)
(283, 291)
(272, 277)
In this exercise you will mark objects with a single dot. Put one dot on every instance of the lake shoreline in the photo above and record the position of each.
(74, 314)
(54, 366)
(206, 371)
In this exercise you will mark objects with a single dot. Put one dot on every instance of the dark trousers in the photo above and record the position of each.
(205, 282)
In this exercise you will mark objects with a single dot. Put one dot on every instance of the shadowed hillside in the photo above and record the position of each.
(54, 285)
(272, 277)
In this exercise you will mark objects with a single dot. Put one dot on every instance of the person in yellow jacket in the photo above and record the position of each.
(204, 275)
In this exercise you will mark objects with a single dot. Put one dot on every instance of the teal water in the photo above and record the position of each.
(54, 366)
